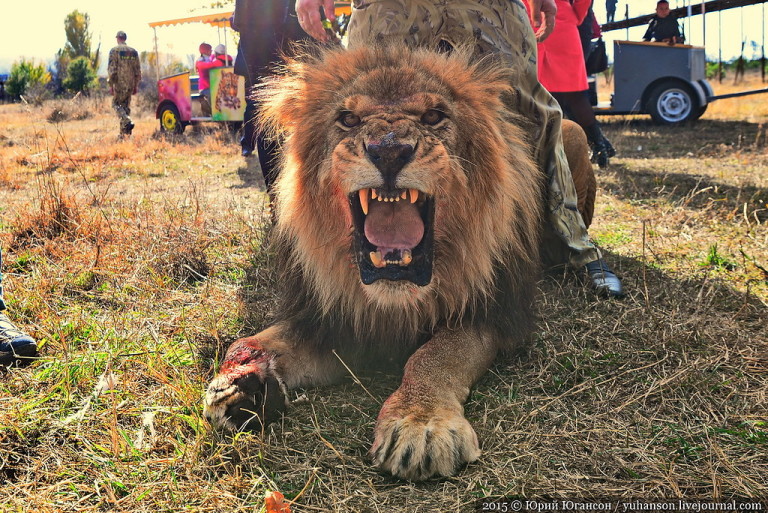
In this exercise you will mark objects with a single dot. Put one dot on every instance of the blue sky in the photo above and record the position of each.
(36, 29)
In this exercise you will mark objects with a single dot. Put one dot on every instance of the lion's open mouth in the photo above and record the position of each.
(393, 234)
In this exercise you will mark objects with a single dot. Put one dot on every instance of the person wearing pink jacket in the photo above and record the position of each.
(563, 73)
(220, 59)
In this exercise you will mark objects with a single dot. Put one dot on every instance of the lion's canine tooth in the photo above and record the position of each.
(364, 200)
(406, 257)
(376, 259)
(414, 195)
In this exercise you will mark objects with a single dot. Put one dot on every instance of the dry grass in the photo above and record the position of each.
(136, 262)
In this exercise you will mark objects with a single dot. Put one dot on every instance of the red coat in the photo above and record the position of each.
(561, 61)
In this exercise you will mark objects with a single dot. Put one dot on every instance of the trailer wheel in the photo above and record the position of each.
(170, 121)
(672, 103)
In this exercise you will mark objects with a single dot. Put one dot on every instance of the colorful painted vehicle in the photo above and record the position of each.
(180, 104)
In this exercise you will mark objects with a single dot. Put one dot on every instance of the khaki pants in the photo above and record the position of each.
(502, 27)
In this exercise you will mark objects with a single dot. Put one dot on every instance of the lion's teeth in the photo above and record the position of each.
(376, 259)
(364, 200)
(403, 195)
(374, 195)
(414, 195)
(406, 257)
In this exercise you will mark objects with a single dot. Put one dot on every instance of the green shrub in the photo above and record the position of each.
(713, 68)
(24, 75)
(80, 76)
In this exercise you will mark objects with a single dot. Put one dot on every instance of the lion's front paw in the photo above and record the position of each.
(422, 444)
(245, 394)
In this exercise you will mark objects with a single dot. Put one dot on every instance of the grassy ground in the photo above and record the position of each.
(135, 263)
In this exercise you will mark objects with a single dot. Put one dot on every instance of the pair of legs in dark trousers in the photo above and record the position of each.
(576, 106)
(254, 140)
(260, 48)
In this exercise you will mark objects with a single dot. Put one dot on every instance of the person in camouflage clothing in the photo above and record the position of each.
(124, 75)
(502, 27)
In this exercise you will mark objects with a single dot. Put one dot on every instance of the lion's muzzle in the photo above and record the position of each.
(389, 157)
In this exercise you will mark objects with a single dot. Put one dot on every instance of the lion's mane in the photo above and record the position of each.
(487, 211)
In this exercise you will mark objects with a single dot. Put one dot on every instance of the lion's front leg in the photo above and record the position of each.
(248, 391)
(421, 431)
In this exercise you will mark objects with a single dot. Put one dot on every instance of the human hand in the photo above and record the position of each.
(543, 13)
(308, 12)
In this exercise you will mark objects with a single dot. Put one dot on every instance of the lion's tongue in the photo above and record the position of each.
(396, 225)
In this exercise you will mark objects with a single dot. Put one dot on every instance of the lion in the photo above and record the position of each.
(408, 218)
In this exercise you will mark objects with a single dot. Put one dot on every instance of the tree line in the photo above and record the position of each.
(74, 66)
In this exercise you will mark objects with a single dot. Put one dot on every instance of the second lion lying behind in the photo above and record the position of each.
(408, 221)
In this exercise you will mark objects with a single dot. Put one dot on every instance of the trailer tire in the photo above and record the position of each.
(170, 120)
(673, 103)
(701, 111)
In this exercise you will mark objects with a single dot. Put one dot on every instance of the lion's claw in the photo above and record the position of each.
(245, 395)
(252, 406)
(417, 448)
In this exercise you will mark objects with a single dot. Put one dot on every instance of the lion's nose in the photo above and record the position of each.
(389, 157)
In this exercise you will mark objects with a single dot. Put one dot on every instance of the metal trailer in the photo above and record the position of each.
(666, 81)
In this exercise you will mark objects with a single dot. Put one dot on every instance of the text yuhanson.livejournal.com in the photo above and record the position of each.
(622, 505)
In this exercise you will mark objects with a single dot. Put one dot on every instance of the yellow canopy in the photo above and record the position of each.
(216, 20)
(222, 19)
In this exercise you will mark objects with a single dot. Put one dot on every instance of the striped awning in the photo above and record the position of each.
(217, 20)
(222, 19)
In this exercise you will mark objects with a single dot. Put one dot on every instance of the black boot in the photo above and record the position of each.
(15, 345)
(602, 149)
(603, 280)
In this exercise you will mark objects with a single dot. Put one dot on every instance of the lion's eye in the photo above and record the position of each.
(432, 117)
(349, 119)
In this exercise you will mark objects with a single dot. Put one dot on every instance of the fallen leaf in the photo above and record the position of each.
(275, 502)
